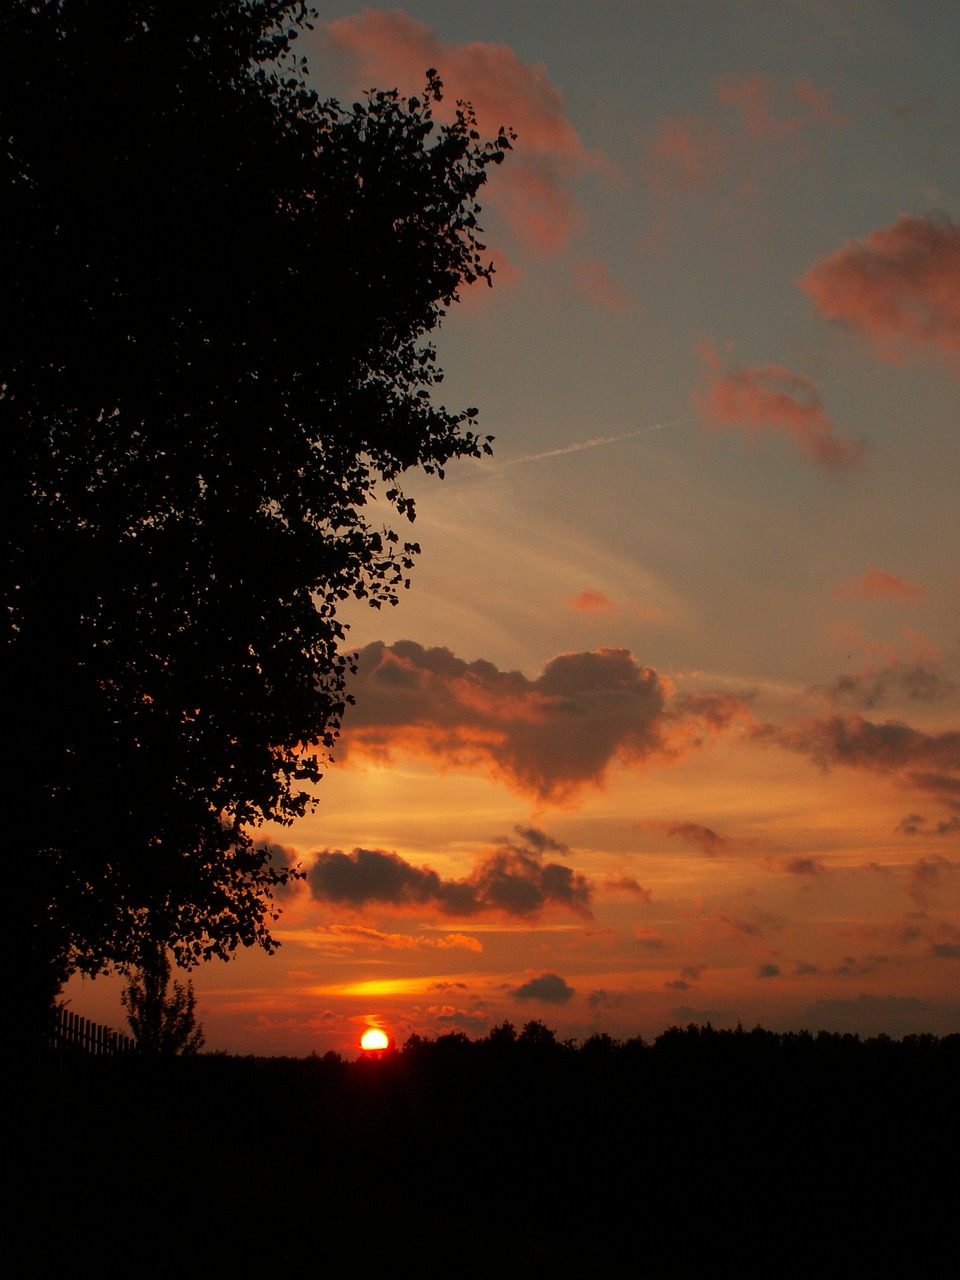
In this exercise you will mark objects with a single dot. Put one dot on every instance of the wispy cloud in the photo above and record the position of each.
(878, 584)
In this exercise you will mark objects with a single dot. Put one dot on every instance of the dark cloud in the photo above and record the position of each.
(803, 867)
(512, 878)
(549, 988)
(898, 682)
(852, 967)
(930, 761)
(803, 968)
(603, 999)
(536, 839)
(946, 950)
(706, 840)
(915, 824)
(550, 736)
(768, 971)
(678, 984)
(871, 1015)
(627, 884)
(280, 858)
(929, 877)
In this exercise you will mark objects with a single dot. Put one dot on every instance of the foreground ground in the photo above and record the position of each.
(768, 1154)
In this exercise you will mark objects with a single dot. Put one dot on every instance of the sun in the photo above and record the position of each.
(373, 1039)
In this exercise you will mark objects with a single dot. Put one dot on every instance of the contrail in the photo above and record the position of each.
(592, 443)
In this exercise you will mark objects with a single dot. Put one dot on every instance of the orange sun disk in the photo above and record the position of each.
(373, 1039)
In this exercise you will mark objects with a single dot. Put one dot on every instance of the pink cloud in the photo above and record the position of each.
(596, 285)
(877, 584)
(591, 601)
(752, 94)
(900, 287)
(684, 153)
(756, 117)
(393, 50)
(772, 399)
(820, 102)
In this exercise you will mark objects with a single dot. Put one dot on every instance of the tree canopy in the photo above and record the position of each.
(217, 289)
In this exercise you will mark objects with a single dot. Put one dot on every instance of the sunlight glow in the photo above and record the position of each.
(374, 1039)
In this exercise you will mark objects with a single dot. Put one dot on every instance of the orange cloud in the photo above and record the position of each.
(392, 49)
(772, 399)
(591, 601)
(550, 737)
(900, 287)
(405, 941)
(877, 584)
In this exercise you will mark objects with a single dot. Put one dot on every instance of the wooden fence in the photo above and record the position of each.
(71, 1033)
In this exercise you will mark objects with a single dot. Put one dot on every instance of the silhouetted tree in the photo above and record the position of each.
(162, 1018)
(216, 289)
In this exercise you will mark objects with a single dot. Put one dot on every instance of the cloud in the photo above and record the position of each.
(706, 840)
(772, 399)
(803, 867)
(595, 284)
(650, 938)
(601, 998)
(899, 681)
(512, 879)
(549, 737)
(281, 858)
(756, 119)
(683, 154)
(892, 1015)
(768, 971)
(915, 824)
(877, 584)
(405, 941)
(820, 103)
(627, 884)
(549, 988)
(534, 192)
(930, 761)
(900, 287)
(591, 601)
(930, 877)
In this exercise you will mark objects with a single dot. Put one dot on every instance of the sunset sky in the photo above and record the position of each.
(667, 728)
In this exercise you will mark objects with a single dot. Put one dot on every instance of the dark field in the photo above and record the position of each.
(752, 1152)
